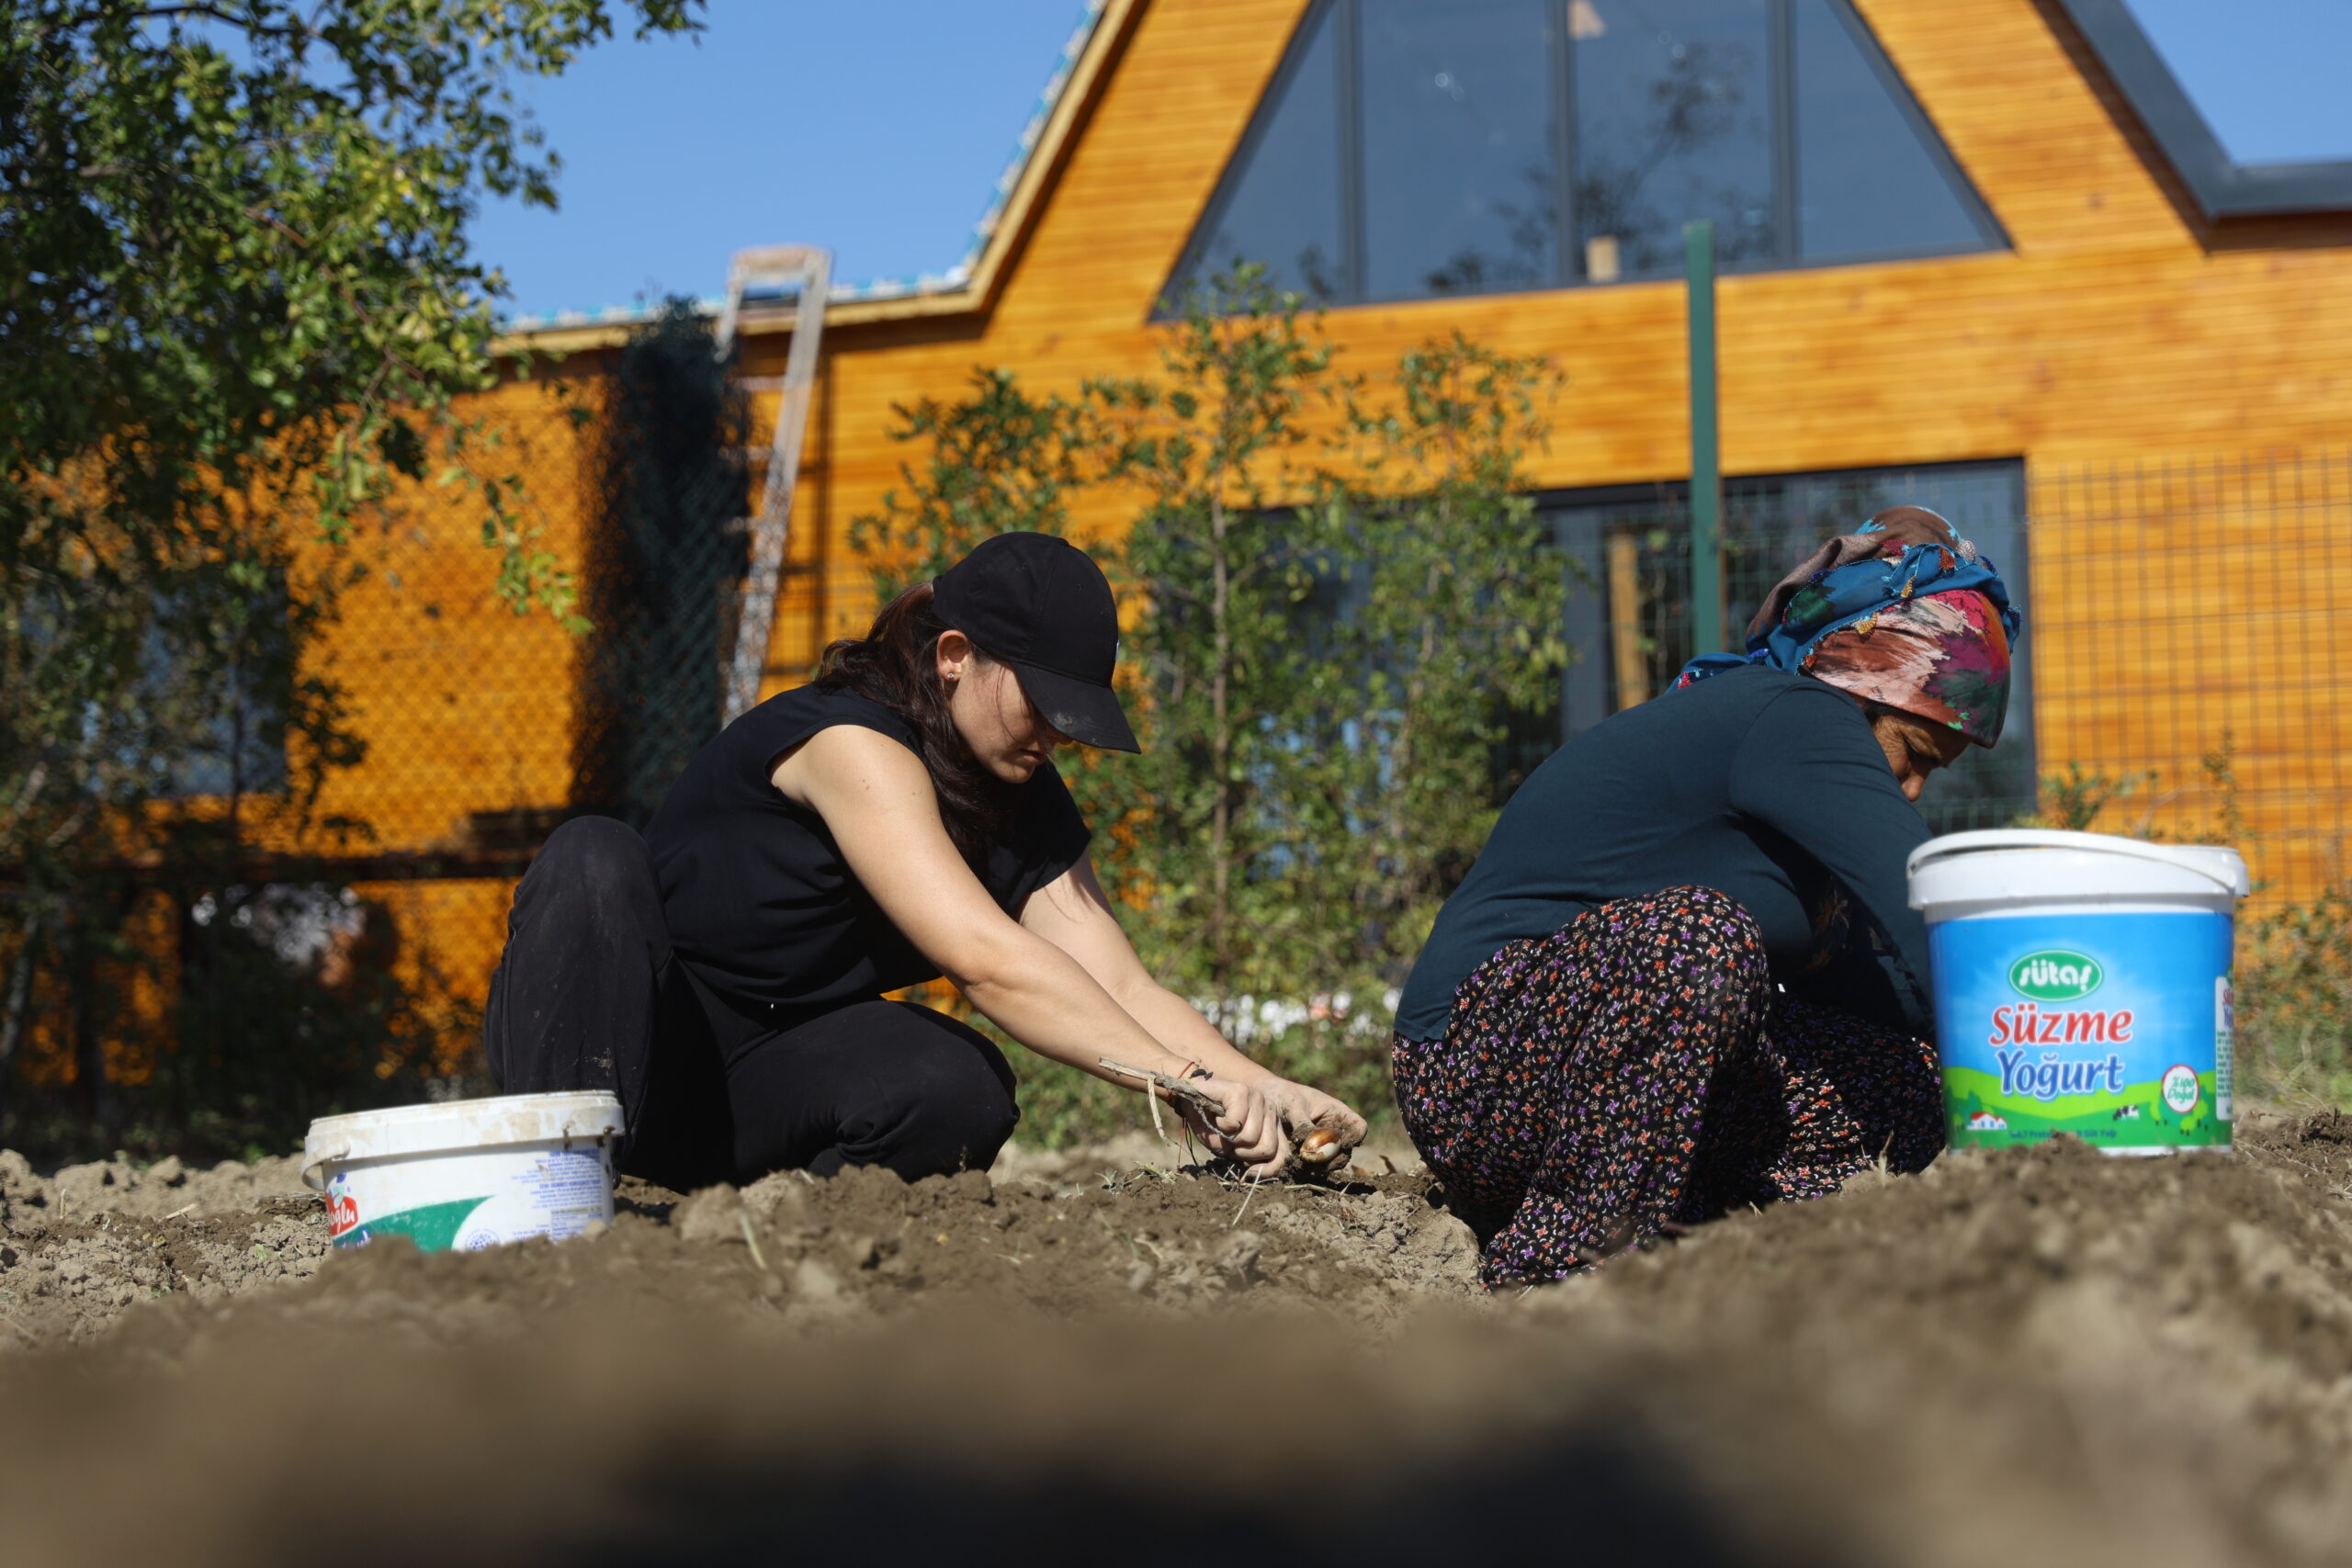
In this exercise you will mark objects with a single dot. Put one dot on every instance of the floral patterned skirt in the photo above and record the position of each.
(1638, 1069)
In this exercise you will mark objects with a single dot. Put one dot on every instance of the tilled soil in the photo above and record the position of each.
(2045, 1355)
(1058, 1233)
(78, 1248)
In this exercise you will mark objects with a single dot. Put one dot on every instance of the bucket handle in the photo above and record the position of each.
(2059, 838)
(314, 1166)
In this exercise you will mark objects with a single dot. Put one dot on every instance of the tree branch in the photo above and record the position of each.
(163, 13)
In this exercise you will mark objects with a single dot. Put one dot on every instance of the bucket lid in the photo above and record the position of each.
(454, 1125)
(2218, 869)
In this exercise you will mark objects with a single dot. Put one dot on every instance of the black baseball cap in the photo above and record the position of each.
(1040, 605)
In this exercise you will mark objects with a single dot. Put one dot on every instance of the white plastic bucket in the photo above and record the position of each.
(467, 1174)
(2081, 986)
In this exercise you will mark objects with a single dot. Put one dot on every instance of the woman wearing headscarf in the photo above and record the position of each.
(1684, 974)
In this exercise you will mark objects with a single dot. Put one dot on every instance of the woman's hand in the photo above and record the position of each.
(1249, 1127)
(1262, 1121)
(1260, 1117)
(1302, 1108)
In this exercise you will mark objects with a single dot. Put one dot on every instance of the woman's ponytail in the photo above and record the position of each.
(896, 663)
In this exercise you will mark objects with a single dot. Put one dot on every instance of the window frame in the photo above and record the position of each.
(249, 732)
(1586, 686)
(1781, 72)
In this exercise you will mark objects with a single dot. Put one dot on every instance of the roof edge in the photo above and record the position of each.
(2222, 186)
(972, 283)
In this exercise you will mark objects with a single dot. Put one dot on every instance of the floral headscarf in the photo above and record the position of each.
(1903, 612)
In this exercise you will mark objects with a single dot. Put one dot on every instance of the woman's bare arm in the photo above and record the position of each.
(878, 803)
(1074, 914)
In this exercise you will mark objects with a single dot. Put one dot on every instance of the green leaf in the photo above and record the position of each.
(1301, 843)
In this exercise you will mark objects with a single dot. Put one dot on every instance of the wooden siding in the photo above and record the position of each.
(2115, 327)
(465, 707)
(2119, 327)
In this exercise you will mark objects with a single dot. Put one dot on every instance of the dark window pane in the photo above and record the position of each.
(1673, 123)
(1866, 182)
(1457, 146)
(225, 676)
(1629, 565)
(1281, 202)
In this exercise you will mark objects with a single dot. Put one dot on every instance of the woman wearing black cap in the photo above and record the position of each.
(897, 820)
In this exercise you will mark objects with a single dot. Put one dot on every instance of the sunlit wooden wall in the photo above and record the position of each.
(2121, 328)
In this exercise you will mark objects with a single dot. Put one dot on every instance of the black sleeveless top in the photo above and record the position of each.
(761, 907)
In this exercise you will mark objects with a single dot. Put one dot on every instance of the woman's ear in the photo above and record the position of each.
(954, 655)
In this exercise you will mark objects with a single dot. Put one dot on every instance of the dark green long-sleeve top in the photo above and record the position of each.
(1764, 785)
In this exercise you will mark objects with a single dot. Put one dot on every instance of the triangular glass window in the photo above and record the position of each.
(1411, 148)
(1456, 100)
(1674, 121)
(1280, 202)
(1871, 178)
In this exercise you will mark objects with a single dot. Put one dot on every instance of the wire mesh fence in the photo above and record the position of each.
(2188, 615)
(472, 732)
(466, 710)
(2181, 615)
(2174, 610)
(483, 729)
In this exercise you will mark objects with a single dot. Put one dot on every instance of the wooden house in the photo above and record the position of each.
(1981, 253)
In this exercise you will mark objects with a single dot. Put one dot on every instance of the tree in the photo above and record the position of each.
(1340, 599)
(1000, 462)
(236, 307)
(1349, 599)
(233, 251)
(1228, 560)
(1451, 636)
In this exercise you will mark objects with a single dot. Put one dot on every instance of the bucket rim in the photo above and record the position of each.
(452, 1126)
(2207, 861)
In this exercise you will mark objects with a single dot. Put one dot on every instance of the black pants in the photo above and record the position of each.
(590, 996)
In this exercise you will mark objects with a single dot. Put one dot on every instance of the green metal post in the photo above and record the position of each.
(1707, 634)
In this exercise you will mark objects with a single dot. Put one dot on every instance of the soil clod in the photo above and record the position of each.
(2096, 1360)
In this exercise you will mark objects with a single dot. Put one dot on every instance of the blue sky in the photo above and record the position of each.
(2266, 74)
(879, 128)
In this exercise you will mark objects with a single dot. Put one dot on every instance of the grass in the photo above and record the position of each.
(2294, 1004)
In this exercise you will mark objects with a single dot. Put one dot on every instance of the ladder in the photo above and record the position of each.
(805, 270)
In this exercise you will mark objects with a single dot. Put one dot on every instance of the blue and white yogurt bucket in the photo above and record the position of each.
(467, 1173)
(2082, 985)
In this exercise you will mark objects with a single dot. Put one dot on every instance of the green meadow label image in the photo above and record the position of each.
(2055, 974)
(2111, 1026)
